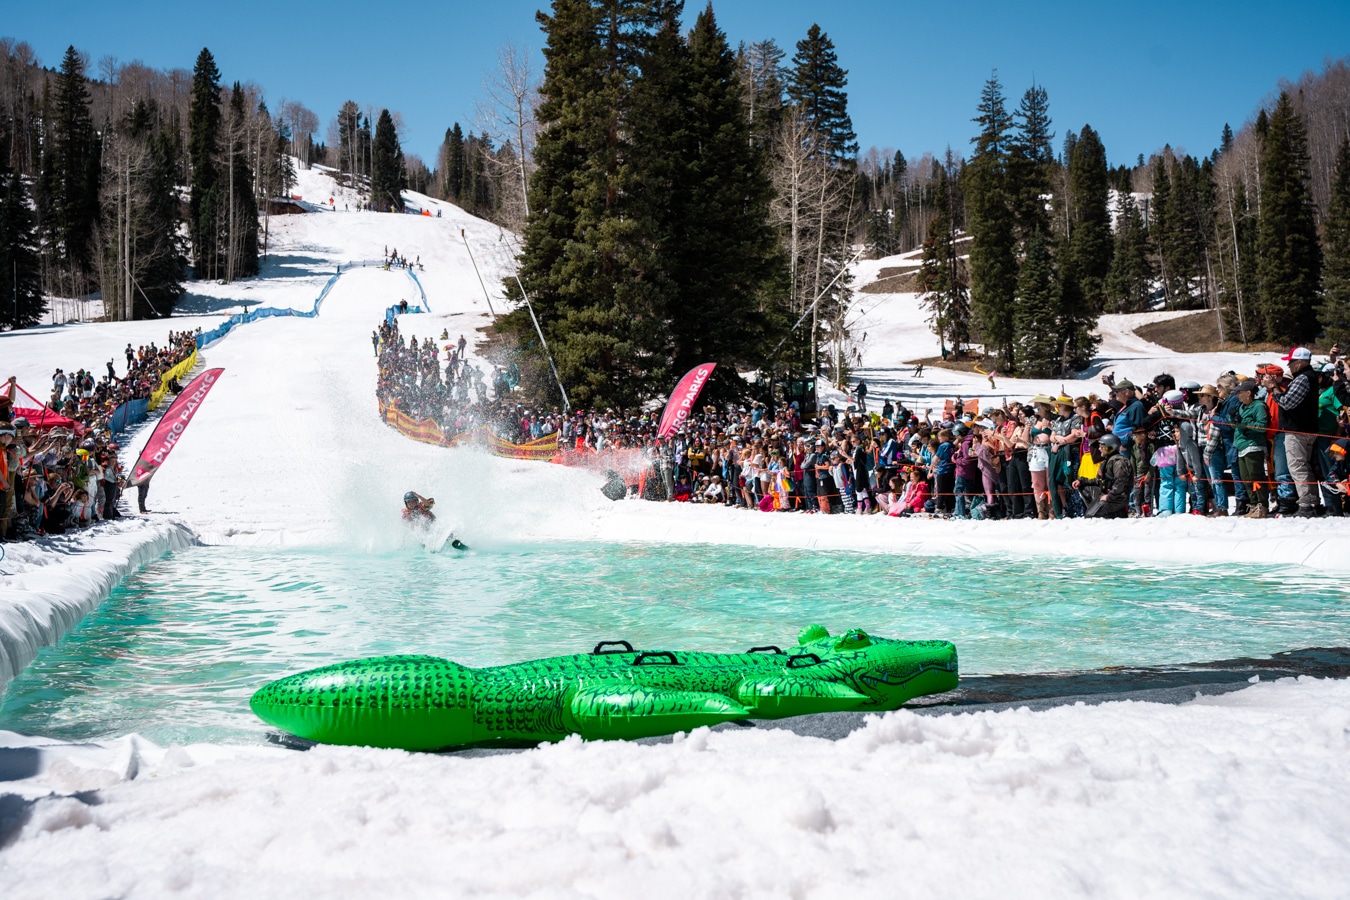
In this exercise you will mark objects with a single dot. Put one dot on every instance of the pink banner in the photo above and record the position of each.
(682, 399)
(172, 426)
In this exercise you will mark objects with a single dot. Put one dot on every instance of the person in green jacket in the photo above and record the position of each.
(1328, 424)
(1249, 439)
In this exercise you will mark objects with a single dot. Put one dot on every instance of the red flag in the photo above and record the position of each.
(172, 426)
(682, 399)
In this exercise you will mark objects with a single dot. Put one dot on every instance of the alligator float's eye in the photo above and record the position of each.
(853, 640)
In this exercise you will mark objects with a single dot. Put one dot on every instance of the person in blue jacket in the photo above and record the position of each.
(1132, 412)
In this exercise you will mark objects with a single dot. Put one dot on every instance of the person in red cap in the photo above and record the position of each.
(1298, 422)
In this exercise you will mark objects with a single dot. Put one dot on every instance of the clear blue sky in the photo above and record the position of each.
(1143, 74)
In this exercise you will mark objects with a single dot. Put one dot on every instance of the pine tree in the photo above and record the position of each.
(1226, 139)
(1159, 224)
(1334, 313)
(204, 200)
(944, 285)
(1128, 282)
(1037, 317)
(761, 68)
(1090, 243)
(588, 260)
(387, 178)
(350, 148)
(1031, 156)
(452, 163)
(1290, 259)
(989, 219)
(715, 241)
(70, 179)
(816, 84)
(21, 300)
(242, 217)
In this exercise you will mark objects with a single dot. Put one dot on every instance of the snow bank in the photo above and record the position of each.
(1318, 544)
(1236, 795)
(47, 587)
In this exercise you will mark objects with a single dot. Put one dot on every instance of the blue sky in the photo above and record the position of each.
(1143, 74)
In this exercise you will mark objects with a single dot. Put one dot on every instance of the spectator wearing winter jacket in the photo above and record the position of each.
(1115, 478)
(1249, 440)
(1131, 414)
(1298, 416)
(967, 471)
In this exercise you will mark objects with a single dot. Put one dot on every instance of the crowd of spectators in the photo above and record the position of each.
(63, 474)
(1270, 443)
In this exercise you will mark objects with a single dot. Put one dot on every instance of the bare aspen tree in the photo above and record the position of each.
(507, 115)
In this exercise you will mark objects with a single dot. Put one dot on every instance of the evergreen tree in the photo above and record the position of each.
(1290, 259)
(712, 215)
(452, 165)
(204, 200)
(1242, 314)
(387, 178)
(816, 84)
(161, 281)
(1159, 224)
(351, 145)
(1090, 243)
(21, 300)
(1334, 313)
(941, 280)
(1130, 278)
(70, 179)
(1038, 317)
(989, 219)
(761, 69)
(588, 261)
(1226, 139)
(1031, 156)
(242, 219)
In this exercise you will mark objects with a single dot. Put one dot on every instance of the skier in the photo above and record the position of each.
(417, 508)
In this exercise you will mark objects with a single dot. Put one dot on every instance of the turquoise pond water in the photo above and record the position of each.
(176, 651)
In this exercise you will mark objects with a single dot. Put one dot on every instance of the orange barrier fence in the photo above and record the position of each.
(428, 432)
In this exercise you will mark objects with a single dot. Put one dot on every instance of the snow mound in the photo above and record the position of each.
(1238, 795)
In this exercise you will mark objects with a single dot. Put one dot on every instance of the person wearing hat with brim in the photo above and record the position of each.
(1212, 453)
(1298, 403)
(1249, 437)
(1131, 414)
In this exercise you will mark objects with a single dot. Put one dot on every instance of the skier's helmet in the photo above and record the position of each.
(410, 497)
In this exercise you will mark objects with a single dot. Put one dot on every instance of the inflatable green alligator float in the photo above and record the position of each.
(428, 703)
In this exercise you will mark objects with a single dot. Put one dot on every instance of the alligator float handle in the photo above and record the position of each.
(655, 656)
(767, 648)
(601, 651)
(813, 660)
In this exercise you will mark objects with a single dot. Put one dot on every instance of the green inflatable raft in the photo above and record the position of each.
(428, 703)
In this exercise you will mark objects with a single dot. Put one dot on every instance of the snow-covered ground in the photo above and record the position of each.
(1237, 795)
(1241, 795)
